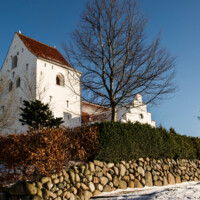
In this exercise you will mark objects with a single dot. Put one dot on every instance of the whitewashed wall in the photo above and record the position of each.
(26, 65)
(56, 95)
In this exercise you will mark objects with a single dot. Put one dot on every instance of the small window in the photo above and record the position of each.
(141, 116)
(14, 62)
(10, 86)
(67, 103)
(13, 74)
(52, 66)
(18, 82)
(60, 80)
(20, 100)
(26, 66)
(18, 53)
(45, 64)
(22, 50)
(2, 108)
(50, 98)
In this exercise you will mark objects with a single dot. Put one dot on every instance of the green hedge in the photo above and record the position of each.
(126, 141)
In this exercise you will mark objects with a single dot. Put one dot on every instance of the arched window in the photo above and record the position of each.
(141, 116)
(10, 86)
(18, 82)
(60, 80)
(57, 80)
(14, 62)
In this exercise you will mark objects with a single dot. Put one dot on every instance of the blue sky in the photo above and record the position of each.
(51, 22)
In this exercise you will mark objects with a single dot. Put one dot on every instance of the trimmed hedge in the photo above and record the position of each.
(45, 152)
(126, 141)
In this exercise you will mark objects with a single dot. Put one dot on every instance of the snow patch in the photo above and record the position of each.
(182, 191)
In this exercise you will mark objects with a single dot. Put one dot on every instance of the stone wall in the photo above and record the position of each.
(92, 178)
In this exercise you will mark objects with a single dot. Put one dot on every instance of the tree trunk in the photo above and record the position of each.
(114, 114)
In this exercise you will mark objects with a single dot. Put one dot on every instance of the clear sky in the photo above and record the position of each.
(51, 22)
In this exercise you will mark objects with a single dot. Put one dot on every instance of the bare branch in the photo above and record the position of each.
(117, 59)
(8, 96)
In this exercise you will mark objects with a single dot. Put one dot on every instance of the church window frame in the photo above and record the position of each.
(3, 109)
(141, 116)
(14, 62)
(18, 82)
(60, 80)
(10, 86)
(67, 103)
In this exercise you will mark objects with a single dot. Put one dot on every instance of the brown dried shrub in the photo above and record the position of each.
(83, 142)
(36, 154)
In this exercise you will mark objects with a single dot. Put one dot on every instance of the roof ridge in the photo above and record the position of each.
(37, 41)
(42, 50)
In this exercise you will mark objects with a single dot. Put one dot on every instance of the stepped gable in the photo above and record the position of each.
(43, 51)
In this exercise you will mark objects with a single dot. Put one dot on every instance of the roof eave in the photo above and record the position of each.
(61, 65)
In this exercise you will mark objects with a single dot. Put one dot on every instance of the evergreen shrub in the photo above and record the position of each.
(127, 141)
(42, 153)
(38, 115)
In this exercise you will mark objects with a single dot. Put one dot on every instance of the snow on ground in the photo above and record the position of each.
(182, 191)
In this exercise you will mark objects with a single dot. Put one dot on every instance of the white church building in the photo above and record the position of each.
(136, 111)
(34, 70)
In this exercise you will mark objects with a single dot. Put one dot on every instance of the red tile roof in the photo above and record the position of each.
(97, 113)
(43, 51)
(99, 107)
(85, 117)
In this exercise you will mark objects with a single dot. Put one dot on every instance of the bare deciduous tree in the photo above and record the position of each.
(30, 88)
(8, 113)
(118, 61)
(10, 101)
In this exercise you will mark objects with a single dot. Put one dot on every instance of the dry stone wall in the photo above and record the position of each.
(92, 178)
